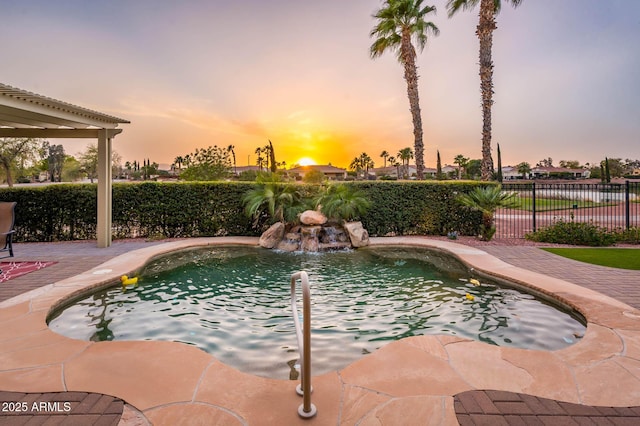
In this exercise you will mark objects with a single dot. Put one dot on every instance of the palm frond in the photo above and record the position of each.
(454, 6)
(396, 16)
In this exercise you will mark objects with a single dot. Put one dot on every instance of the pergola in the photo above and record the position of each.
(28, 115)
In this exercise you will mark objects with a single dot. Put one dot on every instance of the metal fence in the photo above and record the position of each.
(609, 205)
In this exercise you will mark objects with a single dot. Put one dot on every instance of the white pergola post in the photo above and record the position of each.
(28, 115)
(103, 230)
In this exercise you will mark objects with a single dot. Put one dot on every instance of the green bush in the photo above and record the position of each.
(196, 209)
(628, 236)
(574, 233)
(418, 208)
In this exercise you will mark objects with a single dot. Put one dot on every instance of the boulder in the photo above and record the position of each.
(290, 242)
(357, 234)
(288, 245)
(312, 217)
(272, 236)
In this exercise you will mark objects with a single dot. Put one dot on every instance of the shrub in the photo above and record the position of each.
(314, 176)
(628, 236)
(418, 208)
(487, 200)
(342, 202)
(278, 202)
(575, 233)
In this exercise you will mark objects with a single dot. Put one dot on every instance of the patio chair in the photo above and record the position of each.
(7, 220)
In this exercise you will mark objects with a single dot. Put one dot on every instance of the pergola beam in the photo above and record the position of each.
(55, 133)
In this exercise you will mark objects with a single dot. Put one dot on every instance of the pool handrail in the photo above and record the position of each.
(306, 409)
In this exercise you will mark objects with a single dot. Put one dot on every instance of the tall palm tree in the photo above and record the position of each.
(462, 162)
(384, 155)
(367, 163)
(406, 154)
(487, 23)
(396, 164)
(356, 165)
(259, 160)
(400, 23)
(178, 162)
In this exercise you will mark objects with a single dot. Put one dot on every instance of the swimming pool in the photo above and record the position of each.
(234, 303)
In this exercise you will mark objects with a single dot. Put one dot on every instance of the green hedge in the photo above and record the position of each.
(418, 208)
(196, 209)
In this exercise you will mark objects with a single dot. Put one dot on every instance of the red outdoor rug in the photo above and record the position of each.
(15, 269)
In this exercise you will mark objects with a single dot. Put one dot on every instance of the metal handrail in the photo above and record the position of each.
(306, 409)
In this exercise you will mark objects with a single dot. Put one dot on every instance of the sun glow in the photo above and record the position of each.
(306, 161)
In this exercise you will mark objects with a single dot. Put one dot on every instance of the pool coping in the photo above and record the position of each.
(416, 376)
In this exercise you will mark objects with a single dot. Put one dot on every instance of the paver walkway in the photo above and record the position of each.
(621, 284)
(500, 408)
(76, 257)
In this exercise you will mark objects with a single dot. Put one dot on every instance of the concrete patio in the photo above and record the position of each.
(412, 381)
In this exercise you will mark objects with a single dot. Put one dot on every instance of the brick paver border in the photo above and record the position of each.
(70, 408)
(490, 407)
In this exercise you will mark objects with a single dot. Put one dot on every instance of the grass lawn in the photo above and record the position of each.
(546, 204)
(614, 257)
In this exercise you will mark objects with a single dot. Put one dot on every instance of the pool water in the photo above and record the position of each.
(234, 302)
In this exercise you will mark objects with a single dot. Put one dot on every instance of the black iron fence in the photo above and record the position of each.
(609, 205)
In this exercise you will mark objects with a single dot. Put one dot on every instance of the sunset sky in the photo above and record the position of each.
(190, 74)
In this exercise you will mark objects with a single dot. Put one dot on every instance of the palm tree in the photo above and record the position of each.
(367, 163)
(487, 23)
(356, 165)
(282, 203)
(259, 160)
(178, 161)
(341, 202)
(461, 161)
(394, 163)
(400, 22)
(384, 155)
(406, 154)
(487, 200)
(231, 149)
(524, 168)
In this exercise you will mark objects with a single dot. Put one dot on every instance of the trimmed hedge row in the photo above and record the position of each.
(418, 208)
(197, 209)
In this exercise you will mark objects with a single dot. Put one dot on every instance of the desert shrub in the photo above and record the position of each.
(574, 233)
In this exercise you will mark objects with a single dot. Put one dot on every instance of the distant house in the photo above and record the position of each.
(331, 172)
(240, 169)
(429, 172)
(392, 171)
(450, 171)
(559, 173)
(510, 173)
